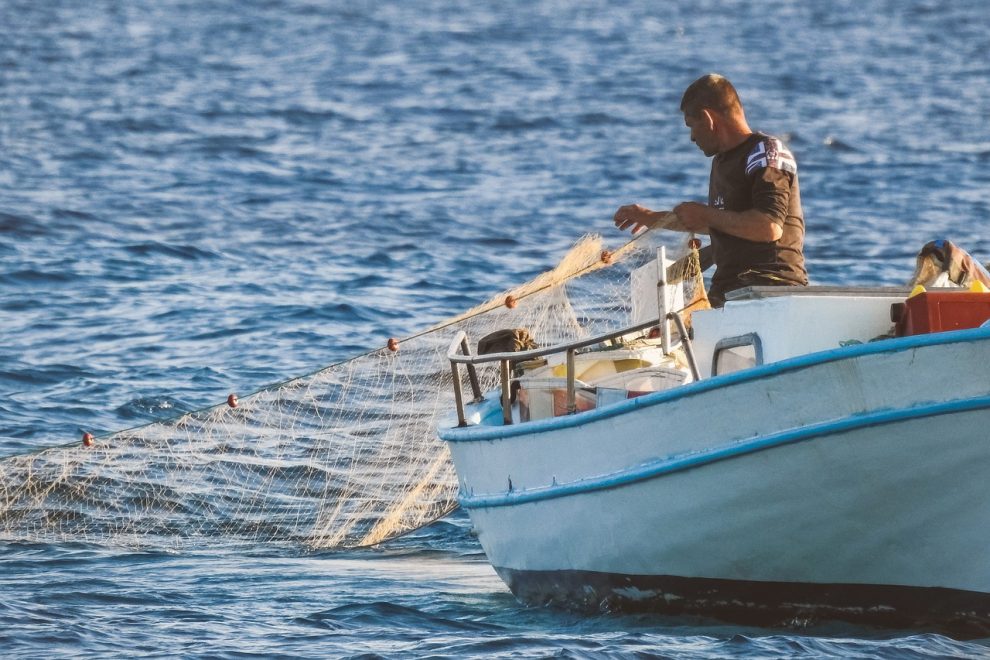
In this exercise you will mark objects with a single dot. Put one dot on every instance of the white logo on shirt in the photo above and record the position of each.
(770, 152)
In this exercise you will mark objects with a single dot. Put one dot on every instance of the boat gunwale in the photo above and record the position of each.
(479, 432)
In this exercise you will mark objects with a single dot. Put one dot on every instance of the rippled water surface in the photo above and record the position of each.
(205, 197)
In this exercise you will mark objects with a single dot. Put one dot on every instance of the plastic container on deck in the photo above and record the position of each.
(540, 398)
(940, 312)
(595, 365)
(642, 381)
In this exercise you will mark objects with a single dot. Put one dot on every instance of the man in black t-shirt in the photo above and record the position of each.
(753, 213)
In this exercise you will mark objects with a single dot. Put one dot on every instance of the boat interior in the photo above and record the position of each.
(757, 325)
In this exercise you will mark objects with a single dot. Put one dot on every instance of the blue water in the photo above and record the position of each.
(205, 197)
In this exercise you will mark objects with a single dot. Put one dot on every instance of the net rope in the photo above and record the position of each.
(343, 457)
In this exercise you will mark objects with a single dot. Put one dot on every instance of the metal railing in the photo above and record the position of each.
(460, 353)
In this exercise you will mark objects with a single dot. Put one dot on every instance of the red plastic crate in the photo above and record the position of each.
(942, 311)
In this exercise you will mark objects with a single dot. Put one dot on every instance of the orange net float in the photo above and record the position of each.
(87, 439)
(393, 344)
(511, 302)
(232, 400)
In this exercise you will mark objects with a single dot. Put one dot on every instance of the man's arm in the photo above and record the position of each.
(752, 225)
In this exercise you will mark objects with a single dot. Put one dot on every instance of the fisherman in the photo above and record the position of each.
(753, 215)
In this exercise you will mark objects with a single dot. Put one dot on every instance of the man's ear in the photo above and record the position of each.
(709, 118)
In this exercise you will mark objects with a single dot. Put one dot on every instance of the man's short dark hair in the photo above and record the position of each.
(713, 92)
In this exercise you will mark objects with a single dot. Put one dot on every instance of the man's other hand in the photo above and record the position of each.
(694, 217)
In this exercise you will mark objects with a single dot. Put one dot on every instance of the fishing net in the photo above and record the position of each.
(341, 458)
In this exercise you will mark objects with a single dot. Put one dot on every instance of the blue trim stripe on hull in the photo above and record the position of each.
(487, 432)
(680, 463)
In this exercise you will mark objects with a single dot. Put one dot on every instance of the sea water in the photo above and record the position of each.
(205, 197)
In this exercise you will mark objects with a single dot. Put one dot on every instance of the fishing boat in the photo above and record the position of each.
(801, 454)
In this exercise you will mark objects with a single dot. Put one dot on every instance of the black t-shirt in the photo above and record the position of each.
(761, 174)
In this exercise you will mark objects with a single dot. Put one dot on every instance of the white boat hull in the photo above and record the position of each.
(846, 484)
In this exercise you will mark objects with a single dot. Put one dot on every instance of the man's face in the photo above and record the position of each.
(702, 133)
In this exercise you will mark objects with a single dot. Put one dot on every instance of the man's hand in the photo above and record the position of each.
(639, 217)
(694, 217)
(635, 216)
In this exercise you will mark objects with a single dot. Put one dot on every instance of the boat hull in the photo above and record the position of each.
(849, 485)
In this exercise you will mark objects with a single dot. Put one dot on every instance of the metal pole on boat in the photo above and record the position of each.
(458, 396)
(571, 389)
(686, 344)
(662, 298)
(472, 372)
(506, 397)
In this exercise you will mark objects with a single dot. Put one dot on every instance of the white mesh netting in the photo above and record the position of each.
(344, 457)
